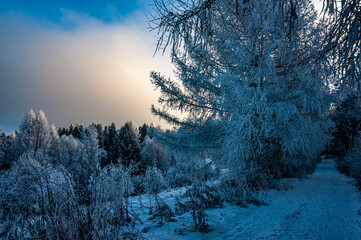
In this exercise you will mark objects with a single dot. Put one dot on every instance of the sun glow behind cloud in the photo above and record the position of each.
(91, 72)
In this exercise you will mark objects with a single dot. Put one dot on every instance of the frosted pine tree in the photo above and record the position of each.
(248, 87)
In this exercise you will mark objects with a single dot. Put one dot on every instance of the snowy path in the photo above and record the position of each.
(324, 206)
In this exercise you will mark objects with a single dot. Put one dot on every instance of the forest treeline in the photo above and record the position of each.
(75, 182)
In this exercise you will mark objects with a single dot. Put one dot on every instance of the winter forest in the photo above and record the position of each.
(265, 109)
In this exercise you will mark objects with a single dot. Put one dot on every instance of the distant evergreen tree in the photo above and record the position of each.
(2, 153)
(9, 151)
(70, 130)
(143, 132)
(2, 141)
(78, 131)
(129, 149)
(103, 144)
(110, 145)
(101, 135)
(62, 131)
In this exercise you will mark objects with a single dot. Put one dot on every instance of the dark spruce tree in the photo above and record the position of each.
(3, 164)
(129, 149)
(143, 132)
(62, 131)
(110, 145)
(78, 131)
(70, 130)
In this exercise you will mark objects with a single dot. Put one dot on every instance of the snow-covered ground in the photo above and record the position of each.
(324, 206)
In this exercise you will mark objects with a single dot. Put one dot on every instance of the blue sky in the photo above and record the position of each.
(51, 10)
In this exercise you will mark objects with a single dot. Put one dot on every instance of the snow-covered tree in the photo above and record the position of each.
(110, 191)
(52, 142)
(27, 133)
(154, 154)
(87, 159)
(36, 200)
(343, 43)
(35, 135)
(248, 87)
(154, 183)
(351, 163)
(68, 150)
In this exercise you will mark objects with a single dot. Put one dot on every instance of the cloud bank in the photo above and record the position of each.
(91, 72)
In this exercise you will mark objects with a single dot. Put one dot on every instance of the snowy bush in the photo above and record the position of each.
(189, 169)
(178, 177)
(37, 200)
(110, 190)
(199, 197)
(154, 181)
(154, 184)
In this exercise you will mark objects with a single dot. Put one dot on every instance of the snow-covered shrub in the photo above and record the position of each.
(178, 177)
(110, 190)
(190, 169)
(240, 188)
(37, 200)
(154, 181)
(198, 196)
(154, 184)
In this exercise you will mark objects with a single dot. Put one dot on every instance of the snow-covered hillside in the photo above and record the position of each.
(324, 206)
